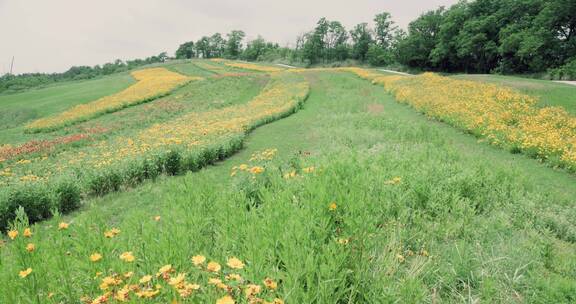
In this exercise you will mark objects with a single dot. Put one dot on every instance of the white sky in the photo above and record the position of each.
(53, 35)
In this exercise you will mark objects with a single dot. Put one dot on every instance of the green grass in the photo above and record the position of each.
(499, 228)
(20, 108)
(548, 92)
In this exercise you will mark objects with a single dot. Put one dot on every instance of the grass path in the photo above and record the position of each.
(499, 227)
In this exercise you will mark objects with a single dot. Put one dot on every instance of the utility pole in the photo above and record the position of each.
(11, 65)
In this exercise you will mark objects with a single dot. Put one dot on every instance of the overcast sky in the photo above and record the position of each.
(53, 35)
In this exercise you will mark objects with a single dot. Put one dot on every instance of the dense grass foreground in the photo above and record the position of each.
(365, 202)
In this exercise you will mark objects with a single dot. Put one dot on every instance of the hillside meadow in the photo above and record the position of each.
(258, 183)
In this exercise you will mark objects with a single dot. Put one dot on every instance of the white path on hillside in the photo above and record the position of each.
(566, 82)
(286, 66)
(395, 72)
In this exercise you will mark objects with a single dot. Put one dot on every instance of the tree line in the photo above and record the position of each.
(482, 36)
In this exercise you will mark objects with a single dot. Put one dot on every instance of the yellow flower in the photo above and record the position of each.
(213, 267)
(332, 207)
(165, 269)
(198, 259)
(256, 170)
(270, 284)
(127, 257)
(278, 301)
(129, 274)
(243, 167)
(30, 247)
(157, 218)
(177, 280)
(63, 226)
(252, 290)
(50, 295)
(225, 300)
(343, 241)
(95, 257)
(214, 281)
(12, 234)
(111, 233)
(400, 258)
(25, 273)
(424, 253)
(235, 263)
(234, 276)
(145, 279)
(27, 233)
(147, 294)
(393, 181)
(308, 170)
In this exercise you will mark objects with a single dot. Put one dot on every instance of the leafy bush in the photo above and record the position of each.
(68, 196)
(565, 72)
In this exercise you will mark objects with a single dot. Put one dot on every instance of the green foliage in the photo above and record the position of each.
(565, 72)
(186, 50)
(481, 36)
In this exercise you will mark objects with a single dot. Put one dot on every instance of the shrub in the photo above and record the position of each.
(68, 196)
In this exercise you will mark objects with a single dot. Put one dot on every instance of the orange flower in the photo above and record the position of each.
(270, 284)
(27, 233)
(12, 234)
(30, 247)
(63, 226)
(252, 290)
(333, 206)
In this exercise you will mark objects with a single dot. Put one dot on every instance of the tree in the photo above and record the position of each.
(203, 47)
(361, 41)
(416, 48)
(258, 48)
(335, 40)
(234, 44)
(217, 45)
(185, 50)
(384, 30)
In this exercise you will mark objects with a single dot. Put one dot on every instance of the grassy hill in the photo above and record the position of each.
(354, 198)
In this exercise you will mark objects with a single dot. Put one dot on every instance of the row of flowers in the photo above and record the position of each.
(249, 66)
(499, 115)
(151, 83)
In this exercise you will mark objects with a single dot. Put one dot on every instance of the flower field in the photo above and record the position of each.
(352, 197)
(152, 83)
(188, 142)
(501, 116)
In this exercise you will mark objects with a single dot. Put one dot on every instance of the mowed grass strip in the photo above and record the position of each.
(384, 205)
(21, 108)
(152, 83)
(499, 115)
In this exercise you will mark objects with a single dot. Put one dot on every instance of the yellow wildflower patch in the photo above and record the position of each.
(152, 83)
